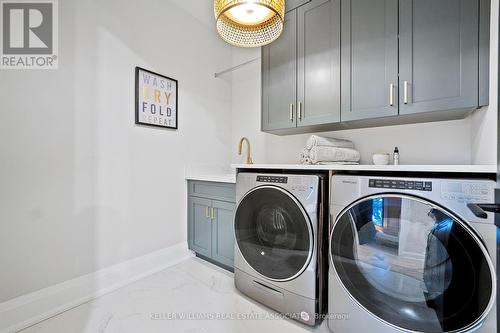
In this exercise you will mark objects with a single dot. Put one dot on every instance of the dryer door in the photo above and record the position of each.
(273, 233)
(412, 264)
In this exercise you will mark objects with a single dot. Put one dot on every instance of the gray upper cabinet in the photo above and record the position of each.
(438, 55)
(369, 59)
(200, 229)
(360, 63)
(301, 69)
(484, 51)
(318, 76)
(279, 78)
(292, 4)
(223, 231)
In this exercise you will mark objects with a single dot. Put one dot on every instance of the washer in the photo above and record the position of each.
(407, 255)
(281, 243)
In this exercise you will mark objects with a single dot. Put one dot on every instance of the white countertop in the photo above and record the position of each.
(227, 176)
(366, 167)
(213, 177)
(219, 173)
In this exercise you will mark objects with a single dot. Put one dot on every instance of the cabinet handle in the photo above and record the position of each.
(391, 94)
(299, 111)
(291, 112)
(213, 213)
(207, 214)
(405, 92)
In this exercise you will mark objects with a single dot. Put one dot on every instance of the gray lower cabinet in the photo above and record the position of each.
(211, 209)
(223, 232)
(438, 55)
(369, 59)
(200, 226)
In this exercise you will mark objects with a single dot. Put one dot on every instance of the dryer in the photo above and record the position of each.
(281, 242)
(407, 255)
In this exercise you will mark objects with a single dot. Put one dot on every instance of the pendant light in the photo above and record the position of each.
(249, 23)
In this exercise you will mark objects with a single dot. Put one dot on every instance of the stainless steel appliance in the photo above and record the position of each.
(281, 242)
(408, 255)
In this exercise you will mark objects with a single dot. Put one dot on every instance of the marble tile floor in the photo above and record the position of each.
(186, 289)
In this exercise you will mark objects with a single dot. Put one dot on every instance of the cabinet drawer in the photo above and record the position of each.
(212, 190)
(292, 4)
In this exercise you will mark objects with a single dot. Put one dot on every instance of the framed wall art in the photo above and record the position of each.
(155, 99)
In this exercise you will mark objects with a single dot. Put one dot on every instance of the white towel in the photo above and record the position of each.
(304, 153)
(304, 156)
(306, 161)
(315, 140)
(333, 154)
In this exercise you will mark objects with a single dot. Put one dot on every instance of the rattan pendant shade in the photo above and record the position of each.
(249, 23)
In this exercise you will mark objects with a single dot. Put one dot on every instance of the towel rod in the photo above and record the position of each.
(236, 67)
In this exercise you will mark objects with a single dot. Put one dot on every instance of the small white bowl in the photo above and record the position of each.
(381, 159)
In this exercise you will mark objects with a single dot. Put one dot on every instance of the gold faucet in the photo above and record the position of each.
(249, 159)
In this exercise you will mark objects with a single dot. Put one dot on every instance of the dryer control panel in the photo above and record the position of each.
(452, 193)
(466, 191)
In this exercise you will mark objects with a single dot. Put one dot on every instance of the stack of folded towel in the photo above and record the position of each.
(321, 150)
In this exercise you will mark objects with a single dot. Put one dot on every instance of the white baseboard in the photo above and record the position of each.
(27, 310)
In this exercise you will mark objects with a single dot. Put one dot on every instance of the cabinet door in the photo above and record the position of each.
(292, 4)
(369, 62)
(279, 78)
(438, 55)
(223, 231)
(318, 76)
(200, 226)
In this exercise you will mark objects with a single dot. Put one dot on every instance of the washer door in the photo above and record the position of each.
(412, 264)
(273, 233)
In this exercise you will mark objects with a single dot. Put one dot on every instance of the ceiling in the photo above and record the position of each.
(202, 10)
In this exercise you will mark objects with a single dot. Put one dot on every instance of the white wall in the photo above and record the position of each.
(467, 141)
(484, 121)
(245, 106)
(82, 187)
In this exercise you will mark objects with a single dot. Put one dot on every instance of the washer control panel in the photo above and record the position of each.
(272, 179)
(466, 191)
(398, 184)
